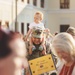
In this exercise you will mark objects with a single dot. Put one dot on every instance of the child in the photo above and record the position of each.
(38, 17)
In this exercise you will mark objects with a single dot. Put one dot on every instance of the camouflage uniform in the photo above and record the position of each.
(37, 49)
(37, 32)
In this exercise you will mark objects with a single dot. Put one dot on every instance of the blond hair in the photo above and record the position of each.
(40, 13)
(64, 42)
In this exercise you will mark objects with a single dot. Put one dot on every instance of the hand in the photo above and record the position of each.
(30, 52)
(25, 39)
(43, 52)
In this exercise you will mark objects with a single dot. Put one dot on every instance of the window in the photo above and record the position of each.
(28, 1)
(63, 28)
(7, 24)
(64, 4)
(34, 2)
(27, 27)
(42, 3)
(22, 0)
(22, 28)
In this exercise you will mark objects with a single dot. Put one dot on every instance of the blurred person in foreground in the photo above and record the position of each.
(64, 46)
(12, 53)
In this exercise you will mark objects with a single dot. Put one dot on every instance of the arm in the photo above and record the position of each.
(30, 47)
(29, 32)
(44, 46)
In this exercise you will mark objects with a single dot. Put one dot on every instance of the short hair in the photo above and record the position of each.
(5, 38)
(71, 30)
(64, 42)
(40, 13)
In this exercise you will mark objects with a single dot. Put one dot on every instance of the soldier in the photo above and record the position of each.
(37, 47)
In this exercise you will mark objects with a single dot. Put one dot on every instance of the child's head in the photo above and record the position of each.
(38, 16)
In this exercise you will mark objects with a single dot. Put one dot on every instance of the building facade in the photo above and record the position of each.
(18, 14)
(61, 14)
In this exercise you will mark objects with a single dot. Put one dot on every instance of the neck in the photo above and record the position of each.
(37, 21)
(69, 63)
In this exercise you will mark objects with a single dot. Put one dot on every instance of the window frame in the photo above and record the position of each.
(28, 26)
(65, 4)
(35, 2)
(22, 0)
(64, 27)
(42, 3)
(28, 1)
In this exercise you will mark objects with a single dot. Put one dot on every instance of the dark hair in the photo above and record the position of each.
(5, 38)
(53, 73)
(56, 33)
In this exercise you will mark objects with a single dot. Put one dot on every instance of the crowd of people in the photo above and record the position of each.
(16, 50)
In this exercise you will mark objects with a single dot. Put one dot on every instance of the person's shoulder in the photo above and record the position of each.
(73, 71)
(32, 23)
(41, 23)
